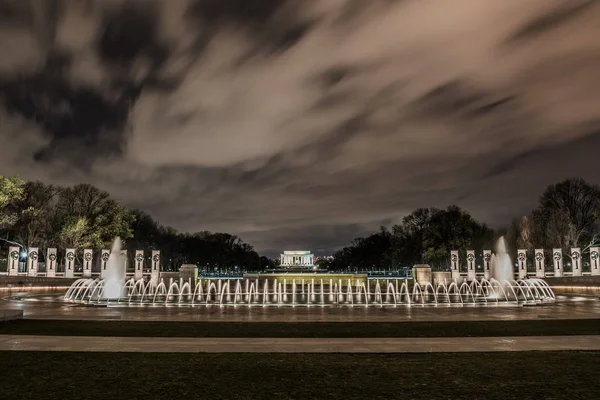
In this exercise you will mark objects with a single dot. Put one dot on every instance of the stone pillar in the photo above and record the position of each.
(124, 255)
(32, 261)
(471, 267)
(422, 274)
(88, 261)
(487, 260)
(139, 264)
(522, 261)
(187, 272)
(576, 261)
(155, 266)
(13, 261)
(454, 265)
(595, 260)
(557, 259)
(104, 255)
(540, 267)
(51, 262)
(69, 263)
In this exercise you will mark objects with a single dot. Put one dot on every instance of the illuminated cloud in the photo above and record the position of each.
(302, 124)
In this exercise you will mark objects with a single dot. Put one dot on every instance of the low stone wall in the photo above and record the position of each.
(34, 281)
(422, 273)
(440, 277)
(582, 285)
(9, 315)
(355, 279)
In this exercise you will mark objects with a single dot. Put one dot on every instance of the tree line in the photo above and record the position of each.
(567, 215)
(34, 214)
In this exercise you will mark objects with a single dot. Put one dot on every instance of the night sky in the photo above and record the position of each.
(302, 124)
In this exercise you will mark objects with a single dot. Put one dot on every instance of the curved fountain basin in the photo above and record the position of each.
(314, 292)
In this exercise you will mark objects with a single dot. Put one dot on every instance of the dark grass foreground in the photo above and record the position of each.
(303, 329)
(490, 376)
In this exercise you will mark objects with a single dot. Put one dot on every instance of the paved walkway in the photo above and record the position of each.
(295, 345)
(50, 306)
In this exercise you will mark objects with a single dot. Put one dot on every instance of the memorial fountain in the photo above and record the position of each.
(114, 281)
(501, 264)
(310, 289)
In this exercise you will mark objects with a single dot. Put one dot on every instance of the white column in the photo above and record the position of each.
(595, 260)
(51, 262)
(87, 263)
(471, 276)
(155, 266)
(522, 261)
(32, 261)
(557, 259)
(124, 255)
(576, 261)
(540, 267)
(454, 265)
(487, 259)
(104, 255)
(139, 264)
(13, 261)
(69, 263)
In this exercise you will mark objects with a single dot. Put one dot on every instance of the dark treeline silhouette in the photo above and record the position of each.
(82, 216)
(33, 214)
(567, 216)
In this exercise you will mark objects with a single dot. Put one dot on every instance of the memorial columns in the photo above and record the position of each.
(155, 273)
(13, 261)
(139, 264)
(69, 263)
(487, 260)
(576, 261)
(32, 261)
(454, 265)
(87, 263)
(595, 261)
(540, 268)
(471, 272)
(51, 262)
(557, 259)
(105, 255)
(522, 261)
(124, 255)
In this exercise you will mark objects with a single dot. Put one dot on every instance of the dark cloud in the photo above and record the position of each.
(552, 19)
(301, 123)
(130, 33)
(72, 117)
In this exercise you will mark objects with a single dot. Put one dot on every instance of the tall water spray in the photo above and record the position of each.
(501, 265)
(115, 272)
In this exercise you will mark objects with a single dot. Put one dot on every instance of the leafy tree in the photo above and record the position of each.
(88, 215)
(425, 236)
(12, 191)
(365, 253)
(33, 226)
(568, 214)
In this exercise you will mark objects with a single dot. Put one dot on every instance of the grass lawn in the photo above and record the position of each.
(303, 329)
(490, 376)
